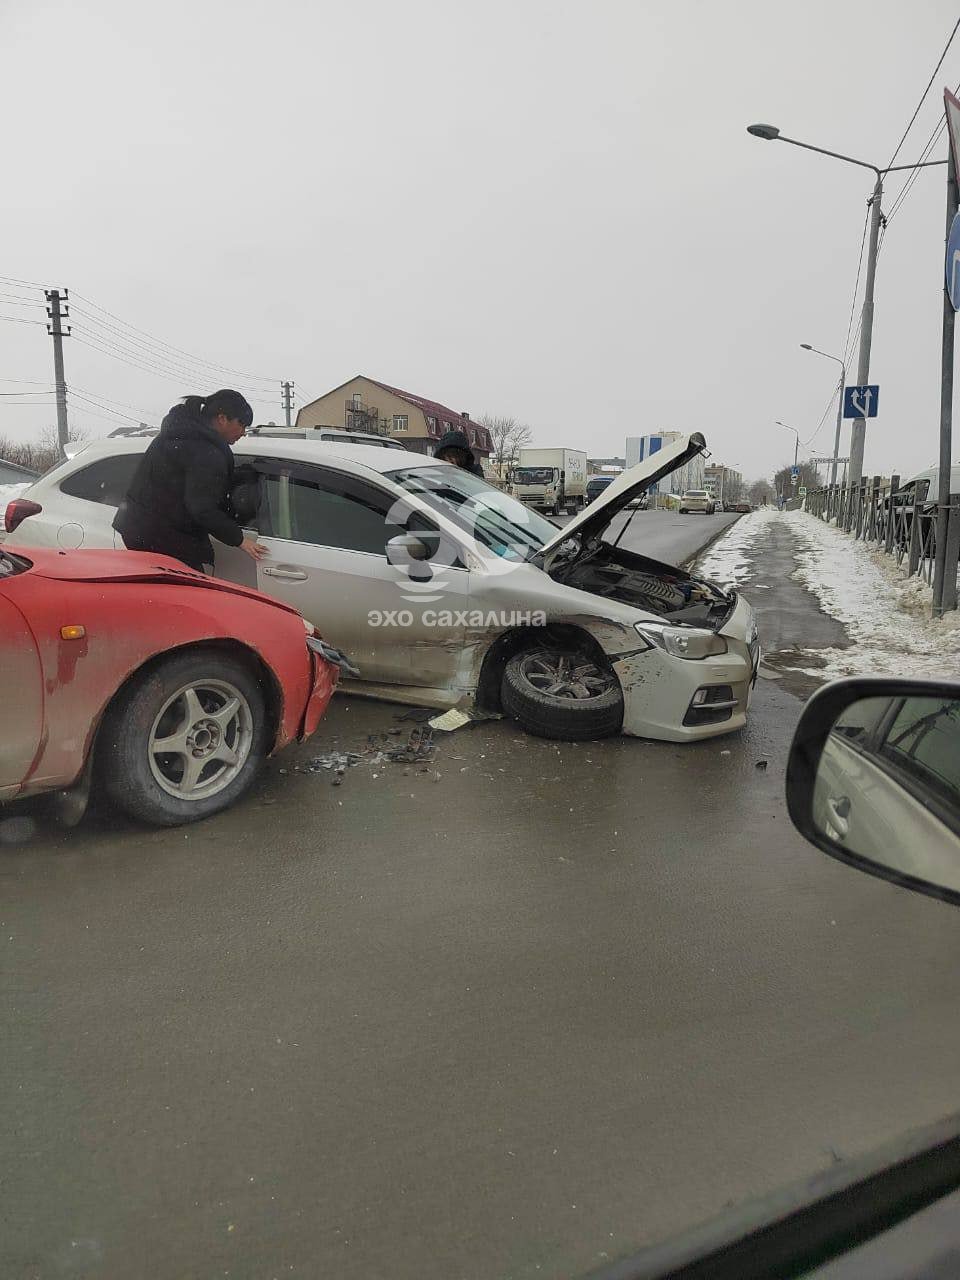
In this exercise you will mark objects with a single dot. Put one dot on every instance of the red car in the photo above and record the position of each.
(167, 687)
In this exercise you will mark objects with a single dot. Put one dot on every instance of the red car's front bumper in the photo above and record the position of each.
(325, 678)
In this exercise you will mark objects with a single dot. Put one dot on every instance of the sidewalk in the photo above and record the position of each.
(830, 606)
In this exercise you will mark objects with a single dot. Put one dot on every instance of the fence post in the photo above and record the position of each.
(871, 532)
(913, 558)
(848, 508)
(949, 597)
(888, 541)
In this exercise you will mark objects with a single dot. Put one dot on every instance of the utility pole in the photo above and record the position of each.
(55, 328)
(287, 400)
(946, 422)
(859, 430)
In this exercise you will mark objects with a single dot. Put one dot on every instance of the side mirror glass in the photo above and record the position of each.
(406, 547)
(873, 778)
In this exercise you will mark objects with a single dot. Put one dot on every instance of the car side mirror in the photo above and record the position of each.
(873, 779)
(406, 547)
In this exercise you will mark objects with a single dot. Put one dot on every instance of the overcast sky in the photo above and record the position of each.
(541, 209)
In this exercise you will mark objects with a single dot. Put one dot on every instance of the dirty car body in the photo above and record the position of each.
(447, 592)
(81, 631)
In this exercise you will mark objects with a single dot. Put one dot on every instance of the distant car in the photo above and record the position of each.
(697, 500)
(166, 686)
(743, 507)
(596, 486)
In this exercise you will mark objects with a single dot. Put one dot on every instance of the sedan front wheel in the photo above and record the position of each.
(563, 694)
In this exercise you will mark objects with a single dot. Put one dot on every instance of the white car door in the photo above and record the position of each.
(326, 533)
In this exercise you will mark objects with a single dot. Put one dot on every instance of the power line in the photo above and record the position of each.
(29, 284)
(823, 417)
(250, 377)
(106, 400)
(24, 302)
(856, 286)
(96, 404)
(161, 372)
(925, 92)
(141, 350)
(153, 363)
(17, 320)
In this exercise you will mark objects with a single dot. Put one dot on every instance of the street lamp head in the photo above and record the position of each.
(766, 131)
(806, 346)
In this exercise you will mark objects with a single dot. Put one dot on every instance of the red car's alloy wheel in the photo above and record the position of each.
(201, 739)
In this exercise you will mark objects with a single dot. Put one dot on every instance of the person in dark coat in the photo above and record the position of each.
(455, 447)
(179, 496)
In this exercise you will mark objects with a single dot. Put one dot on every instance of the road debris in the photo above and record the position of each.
(418, 748)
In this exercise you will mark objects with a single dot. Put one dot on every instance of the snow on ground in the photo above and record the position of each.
(886, 614)
(730, 557)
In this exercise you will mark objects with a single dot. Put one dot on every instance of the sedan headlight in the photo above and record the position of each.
(682, 642)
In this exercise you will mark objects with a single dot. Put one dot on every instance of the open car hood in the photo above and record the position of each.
(592, 521)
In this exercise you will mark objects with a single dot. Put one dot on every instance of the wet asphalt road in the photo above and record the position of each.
(665, 535)
(513, 1020)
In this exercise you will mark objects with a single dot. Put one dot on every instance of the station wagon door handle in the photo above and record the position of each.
(288, 575)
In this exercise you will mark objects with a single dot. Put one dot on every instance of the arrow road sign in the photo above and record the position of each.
(861, 402)
(953, 264)
(794, 473)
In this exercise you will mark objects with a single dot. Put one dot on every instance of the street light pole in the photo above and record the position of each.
(843, 382)
(770, 133)
(796, 447)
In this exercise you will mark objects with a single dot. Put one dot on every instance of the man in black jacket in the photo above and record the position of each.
(455, 447)
(178, 498)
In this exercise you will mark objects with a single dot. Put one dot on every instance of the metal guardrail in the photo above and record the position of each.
(894, 520)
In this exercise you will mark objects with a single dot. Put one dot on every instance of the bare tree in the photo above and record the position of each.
(39, 454)
(809, 478)
(508, 435)
(760, 491)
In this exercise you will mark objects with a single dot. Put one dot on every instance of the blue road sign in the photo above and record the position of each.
(794, 473)
(861, 402)
(953, 263)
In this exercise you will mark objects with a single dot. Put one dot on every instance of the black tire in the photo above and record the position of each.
(683, 511)
(568, 716)
(156, 706)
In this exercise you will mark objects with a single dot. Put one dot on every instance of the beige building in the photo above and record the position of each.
(723, 483)
(367, 405)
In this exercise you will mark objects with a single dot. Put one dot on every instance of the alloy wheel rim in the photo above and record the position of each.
(562, 676)
(200, 740)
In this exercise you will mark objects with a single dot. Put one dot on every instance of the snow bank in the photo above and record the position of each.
(886, 614)
(8, 492)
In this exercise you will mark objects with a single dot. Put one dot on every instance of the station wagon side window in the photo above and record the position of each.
(105, 481)
(920, 743)
(329, 509)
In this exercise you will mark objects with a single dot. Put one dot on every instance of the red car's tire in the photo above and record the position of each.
(208, 710)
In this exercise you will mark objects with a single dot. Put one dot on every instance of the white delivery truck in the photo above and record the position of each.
(551, 479)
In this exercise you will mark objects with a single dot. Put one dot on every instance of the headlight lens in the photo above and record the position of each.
(682, 642)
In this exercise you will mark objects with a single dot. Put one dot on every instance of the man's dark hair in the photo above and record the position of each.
(230, 403)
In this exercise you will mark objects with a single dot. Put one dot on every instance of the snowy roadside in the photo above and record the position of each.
(886, 614)
(729, 559)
